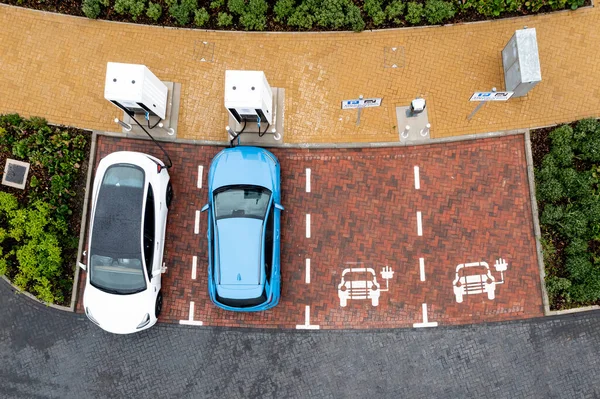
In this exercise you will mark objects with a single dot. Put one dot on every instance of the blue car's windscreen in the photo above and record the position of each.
(115, 253)
(241, 202)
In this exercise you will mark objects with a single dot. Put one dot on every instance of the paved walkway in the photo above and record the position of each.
(47, 353)
(54, 66)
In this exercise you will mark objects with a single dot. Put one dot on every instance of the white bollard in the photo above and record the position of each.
(404, 133)
(424, 132)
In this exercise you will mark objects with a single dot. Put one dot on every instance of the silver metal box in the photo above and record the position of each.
(521, 62)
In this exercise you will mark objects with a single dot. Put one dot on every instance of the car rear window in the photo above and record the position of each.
(241, 201)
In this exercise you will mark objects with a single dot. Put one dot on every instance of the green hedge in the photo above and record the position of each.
(318, 14)
(34, 231)
(568, 194)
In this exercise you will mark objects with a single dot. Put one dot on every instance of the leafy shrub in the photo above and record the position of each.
(181, 11)
(302, 17)
(217, 4)
(438, 11)
(549, 190)
(91, 8)
(354, 19)
(552, 214)
(575, 4)
(224, 19)
(134, 7)
(586, 139)
(255, 17)
(414, 13)
(374, 9)
(237, 6)
(201, 17)
(573, 224)
(535, 5)
(577, 247)
(331, 14)
(558, 287)
(394, 10)
(283, 10)
(154, 11)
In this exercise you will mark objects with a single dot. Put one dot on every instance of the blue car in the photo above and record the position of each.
(244, 207)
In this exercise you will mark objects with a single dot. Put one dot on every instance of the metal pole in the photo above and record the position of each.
(359, 110)
(478, 107)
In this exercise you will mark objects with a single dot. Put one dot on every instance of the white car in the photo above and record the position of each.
(130, 200)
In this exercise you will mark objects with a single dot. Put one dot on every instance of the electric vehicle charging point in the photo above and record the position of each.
(135, 89)
(414, 115)
(254, 107)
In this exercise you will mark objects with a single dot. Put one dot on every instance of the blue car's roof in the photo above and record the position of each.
(243, 165)
(239, 251)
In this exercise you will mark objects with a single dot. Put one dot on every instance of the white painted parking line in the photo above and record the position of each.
(426, 322)
(190, 321)
(194, 265)
(308, 225)
(422, 268)
(308, 180)
(307, 325)
(197, 223)
(417, 180)
(200, 171)
(419, 224)
(307, 271)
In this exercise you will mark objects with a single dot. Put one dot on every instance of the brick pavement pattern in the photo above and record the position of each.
(47, 353)
(54, 66)
(475, 204)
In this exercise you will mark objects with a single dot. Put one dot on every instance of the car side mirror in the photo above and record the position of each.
(156, 273)
(82, 265)
(279, 206)
(204, 208)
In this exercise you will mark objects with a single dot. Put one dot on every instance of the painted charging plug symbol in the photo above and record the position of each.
(476, 278)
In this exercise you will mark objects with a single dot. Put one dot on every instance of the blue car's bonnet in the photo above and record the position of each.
(239, 251)
(242, 165)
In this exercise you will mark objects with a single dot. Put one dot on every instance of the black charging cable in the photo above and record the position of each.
(131, 114)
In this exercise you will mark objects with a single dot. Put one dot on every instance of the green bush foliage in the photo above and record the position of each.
(283, 10)
(154, 11)
(438, 11)
(216, 4)
(394, 11)
(414, 13)
(135, 8)
(224, 19)
(92, 8)
(374, 9)
(182, 10)
(35, 234)
(201, 17)
(252, 14)
(568, 193)
(329, 14)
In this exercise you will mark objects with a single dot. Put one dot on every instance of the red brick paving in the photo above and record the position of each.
(475, 207)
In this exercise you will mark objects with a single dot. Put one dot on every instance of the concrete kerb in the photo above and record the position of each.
(31, 296)
(536, 222)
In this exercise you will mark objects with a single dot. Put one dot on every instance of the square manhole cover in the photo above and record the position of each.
(204, 51)
(393, 57)
(15, 173)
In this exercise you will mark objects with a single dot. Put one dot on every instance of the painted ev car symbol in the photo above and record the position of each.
(477, 278)
(361, 283)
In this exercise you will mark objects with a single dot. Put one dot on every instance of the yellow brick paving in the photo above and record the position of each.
(54, 66)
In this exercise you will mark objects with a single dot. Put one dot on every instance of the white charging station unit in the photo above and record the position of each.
(248, 96)
(133, 88)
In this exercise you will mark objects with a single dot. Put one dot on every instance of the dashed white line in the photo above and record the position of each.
(200, 171)
(190, 321)
(426, 322)
(308, 180)
(308, 225)
(307, 325)
(307, 271)
(197, 223)
(422, 268)
(417, 180)
(419, 224)
(194, 265)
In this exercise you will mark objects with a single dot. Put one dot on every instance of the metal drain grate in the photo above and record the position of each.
(15, 173)
(204, 51)
(393, 57)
